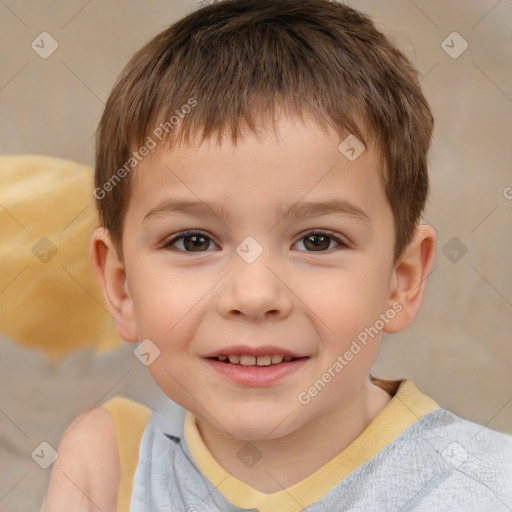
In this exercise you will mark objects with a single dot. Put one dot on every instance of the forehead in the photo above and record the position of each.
(301, 162)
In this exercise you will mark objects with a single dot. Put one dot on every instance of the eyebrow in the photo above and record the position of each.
(296, 209)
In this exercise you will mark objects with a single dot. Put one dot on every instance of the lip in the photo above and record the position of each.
(263, 350)
(256, 376)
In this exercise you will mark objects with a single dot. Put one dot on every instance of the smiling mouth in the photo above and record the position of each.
(249, 360)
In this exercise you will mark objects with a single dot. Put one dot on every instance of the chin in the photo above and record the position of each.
(254, 433)
(259, 426)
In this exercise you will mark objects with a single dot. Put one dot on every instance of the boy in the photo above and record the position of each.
(260, 176)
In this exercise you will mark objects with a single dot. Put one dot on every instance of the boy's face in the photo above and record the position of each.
(257, 278)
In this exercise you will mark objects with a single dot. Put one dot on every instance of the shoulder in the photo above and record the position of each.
(476, 454)
(443, 426)
(86, 474)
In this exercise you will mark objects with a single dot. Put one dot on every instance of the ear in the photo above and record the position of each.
(409, 276)
(111, 275)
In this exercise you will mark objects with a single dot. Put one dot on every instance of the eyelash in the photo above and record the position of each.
(185, 234)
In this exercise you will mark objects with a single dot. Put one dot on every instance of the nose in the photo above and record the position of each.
(256, 290)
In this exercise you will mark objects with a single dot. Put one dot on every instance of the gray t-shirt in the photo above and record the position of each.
(439, 463)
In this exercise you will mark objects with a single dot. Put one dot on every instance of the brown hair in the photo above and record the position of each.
(236, 62)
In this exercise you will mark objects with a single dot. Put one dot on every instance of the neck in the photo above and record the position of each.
(290, 459)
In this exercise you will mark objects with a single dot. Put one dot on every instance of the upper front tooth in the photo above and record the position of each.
(246, 360)
(263, 360)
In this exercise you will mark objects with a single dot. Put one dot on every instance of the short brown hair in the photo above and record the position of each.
(241, 61)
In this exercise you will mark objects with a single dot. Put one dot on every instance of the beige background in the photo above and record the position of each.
(459, 348)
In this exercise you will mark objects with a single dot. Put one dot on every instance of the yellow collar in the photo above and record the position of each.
(407, 405)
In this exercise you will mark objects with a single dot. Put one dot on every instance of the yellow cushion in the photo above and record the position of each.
(49, 298)
(130, 420)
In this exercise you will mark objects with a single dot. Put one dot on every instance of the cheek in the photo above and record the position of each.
(347, 311)
(346, 297)
(162, 299)
(169, 308)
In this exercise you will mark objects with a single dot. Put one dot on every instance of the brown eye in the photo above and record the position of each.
(317, 242)
(193, 241)
(320, 241)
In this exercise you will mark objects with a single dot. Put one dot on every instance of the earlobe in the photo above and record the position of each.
(409, 277)
(111, 276)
